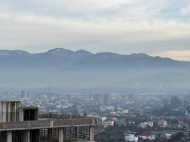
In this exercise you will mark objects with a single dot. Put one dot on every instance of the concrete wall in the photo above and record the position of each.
(9, 111)
(28, 114)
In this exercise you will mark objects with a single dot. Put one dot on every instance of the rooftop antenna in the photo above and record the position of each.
(49, 90)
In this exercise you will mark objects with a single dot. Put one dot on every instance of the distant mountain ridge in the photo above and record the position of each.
(56, 51)
(60, 58)
(62, 52)
(84, 70)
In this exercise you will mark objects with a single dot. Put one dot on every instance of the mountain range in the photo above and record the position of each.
(84, 71)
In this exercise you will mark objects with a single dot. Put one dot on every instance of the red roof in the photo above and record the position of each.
(146, 134)
(109, 119)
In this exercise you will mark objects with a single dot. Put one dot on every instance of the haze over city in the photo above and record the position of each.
(95, 71)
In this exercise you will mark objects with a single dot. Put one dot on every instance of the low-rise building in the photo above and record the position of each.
(131, 138)
(145, 125)
(162, 123)
(162, 135)
(147, 136)
(108, 122)
(121, 122)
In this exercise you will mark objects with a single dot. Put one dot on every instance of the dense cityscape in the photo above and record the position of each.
(94, 71)
(120, 117)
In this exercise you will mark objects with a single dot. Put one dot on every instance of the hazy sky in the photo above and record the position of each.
(155, 27)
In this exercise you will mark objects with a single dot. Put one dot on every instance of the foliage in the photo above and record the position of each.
(178, 137)
(111, 134)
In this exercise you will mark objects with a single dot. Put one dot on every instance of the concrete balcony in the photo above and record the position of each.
(42, 124)
(49, 128)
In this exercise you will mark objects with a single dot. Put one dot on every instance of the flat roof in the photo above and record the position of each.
(29, 107)
(10, 101)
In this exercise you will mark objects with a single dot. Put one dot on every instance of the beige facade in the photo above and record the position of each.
(9, 111)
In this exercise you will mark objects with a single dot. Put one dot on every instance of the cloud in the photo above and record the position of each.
(178, 55)
(122, 26)
(185, 11)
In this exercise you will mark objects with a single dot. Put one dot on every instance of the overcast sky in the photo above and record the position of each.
(155, 27)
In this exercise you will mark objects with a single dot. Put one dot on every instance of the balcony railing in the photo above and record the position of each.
(40, 124)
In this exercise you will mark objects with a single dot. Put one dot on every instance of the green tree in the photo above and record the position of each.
(175, 102)
(178, 137)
